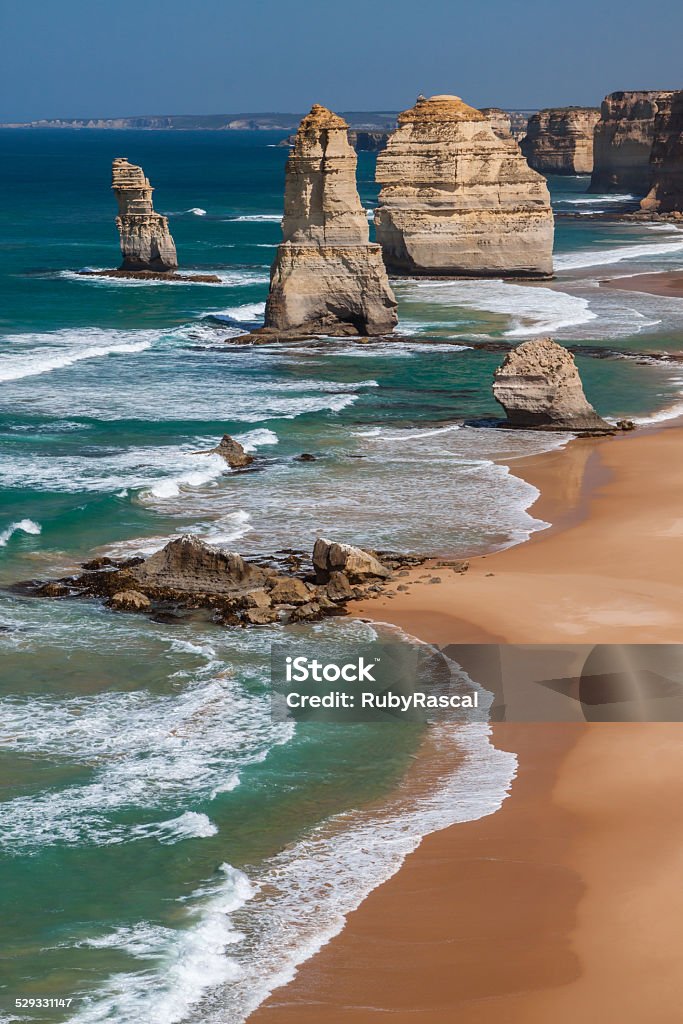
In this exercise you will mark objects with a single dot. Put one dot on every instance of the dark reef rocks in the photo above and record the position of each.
(232, 451)
(189, 574)
(146, 242)
(539, 387)
(327, 277)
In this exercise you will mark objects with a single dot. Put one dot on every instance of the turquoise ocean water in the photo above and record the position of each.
(168, 852)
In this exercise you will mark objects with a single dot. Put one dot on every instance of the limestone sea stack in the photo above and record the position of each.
(327, 278)
(623, 142)
(539, 387)
(457, 199)
(666, 160)
(146, 242)
(560, 140)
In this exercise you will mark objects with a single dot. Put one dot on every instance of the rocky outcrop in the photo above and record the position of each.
(327, 278)
(666, 159)
(190, 574)
(500, 121)
(623, 142)
(560, 141)
(539, 387)
(232, 451)
(357, 565)
(459, 200)
(146, 242)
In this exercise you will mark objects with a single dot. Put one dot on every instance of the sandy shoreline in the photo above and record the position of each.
(664, 283)
(566, 904)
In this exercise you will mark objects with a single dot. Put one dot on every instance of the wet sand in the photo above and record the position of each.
(567, 904)
(667, 283)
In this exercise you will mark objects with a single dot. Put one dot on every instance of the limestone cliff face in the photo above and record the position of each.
(666, 160)
(500, 120)
(457, 199)
(327, 278)
(561, 141)
(539, 387)
(623, 142)
(146, 242)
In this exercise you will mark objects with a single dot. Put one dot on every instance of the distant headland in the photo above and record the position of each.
(370, 120)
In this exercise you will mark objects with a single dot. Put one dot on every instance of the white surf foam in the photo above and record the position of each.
(251, 440)
(247, 313)
(597, 199)
(531, 309)
(191, 960)
(605, 257)
(197, 211)
(29, 355)
(255, 218)
(21, 526)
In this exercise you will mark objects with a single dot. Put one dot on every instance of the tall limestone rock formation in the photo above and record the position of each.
(327, 278)
(623, 142)
(666, 159)
(539, 387)
(146, 242)
(560, 141)
(457, 199)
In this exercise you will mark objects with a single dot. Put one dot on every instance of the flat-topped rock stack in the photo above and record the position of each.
(146, 242)
(560, 140)
(457, 199)
(539, 387)
(327, 277)
(666, 159)
(623, 142)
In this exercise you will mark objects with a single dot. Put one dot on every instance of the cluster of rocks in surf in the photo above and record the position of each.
(190, 574)
(459, 199)
(560, 140)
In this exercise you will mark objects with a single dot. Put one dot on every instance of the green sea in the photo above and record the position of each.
(169, 853)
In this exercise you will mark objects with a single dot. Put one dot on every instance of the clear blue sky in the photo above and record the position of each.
(81, 58)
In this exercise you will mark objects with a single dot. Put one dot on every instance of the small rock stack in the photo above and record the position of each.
(539, 387)
(146, 242)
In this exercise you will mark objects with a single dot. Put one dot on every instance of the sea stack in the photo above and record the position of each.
(560, 140)
(327, 278)
(666, 159)
(539, 387)
(146, 242)
(623, 142)
(457, 199)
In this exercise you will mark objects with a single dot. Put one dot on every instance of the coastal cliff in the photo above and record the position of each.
(146, 242)
(560, 141)
(458, 199)
(327, 278)
(623, 142)
(666, 160)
